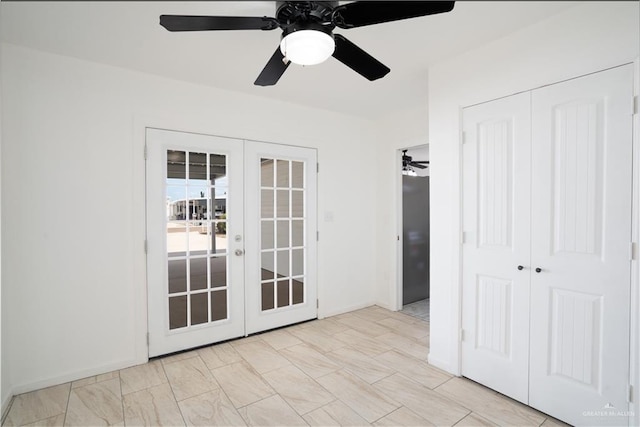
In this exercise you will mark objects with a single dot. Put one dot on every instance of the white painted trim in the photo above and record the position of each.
(454, 367)
(342, 310)
(4, 408)
(73, 376)
(634, 357)
(440, 364)
(396, 297)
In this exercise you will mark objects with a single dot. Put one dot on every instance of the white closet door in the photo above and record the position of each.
(496, 218)
(581, 231)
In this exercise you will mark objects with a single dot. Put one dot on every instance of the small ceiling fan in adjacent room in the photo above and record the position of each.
(408, 164)
(307, 31)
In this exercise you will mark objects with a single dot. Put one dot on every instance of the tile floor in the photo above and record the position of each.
(419, 309)
(366, 367)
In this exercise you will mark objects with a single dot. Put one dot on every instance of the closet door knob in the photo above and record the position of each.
(538, 269)
(520, 267)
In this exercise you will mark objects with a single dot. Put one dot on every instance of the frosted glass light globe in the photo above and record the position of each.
(307, 47)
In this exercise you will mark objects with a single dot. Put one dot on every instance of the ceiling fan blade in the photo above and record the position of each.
(420, 161)
(274, 69)
(417, 165)
(358, 60)
(361, 13)
(215, 23)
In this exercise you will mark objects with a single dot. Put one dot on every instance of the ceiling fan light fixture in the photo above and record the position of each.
(307, 47)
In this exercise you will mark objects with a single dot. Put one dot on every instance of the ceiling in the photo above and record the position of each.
(127, 34)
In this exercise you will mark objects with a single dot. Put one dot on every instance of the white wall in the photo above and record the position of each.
(73, 205)
(401, 129)
(5, 395)
(589, 37)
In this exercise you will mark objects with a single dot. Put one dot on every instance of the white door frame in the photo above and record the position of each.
(456, 295)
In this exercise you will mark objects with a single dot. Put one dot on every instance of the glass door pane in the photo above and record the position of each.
(282, 258)
(196, 188)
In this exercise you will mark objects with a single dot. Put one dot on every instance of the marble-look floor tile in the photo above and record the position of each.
(365, 327)
(317, 339)
(98, 404)
(410, 330)
(95, 379)
(241, 341)
(38, 405)
(242, 383)
(144, 376)
(189, 377)
(299, 390)
(360, 364)
(272, 411)
(413, 368)
(406, 345)
(358, 395)
(57, 421)
(425, 402)
(335, 413)
(280, 339)
(261, 356)
(368, 345)
(552, 422)
(178, 356)
(402, 417)
(210, 409)
(475, 420)
(154, 406)
(373, 313)
(309, 360)
(490, 405)
(329, 326)
(219, 355)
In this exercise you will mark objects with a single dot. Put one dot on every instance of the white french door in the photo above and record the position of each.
(207, 238)
(281, 212)
(547, 192)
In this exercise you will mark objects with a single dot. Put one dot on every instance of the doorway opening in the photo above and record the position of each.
(415, 231)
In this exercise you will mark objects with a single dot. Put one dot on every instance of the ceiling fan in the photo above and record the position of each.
(307, 31)
(408, 163)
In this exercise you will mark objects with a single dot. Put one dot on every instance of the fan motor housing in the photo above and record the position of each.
(299, 12)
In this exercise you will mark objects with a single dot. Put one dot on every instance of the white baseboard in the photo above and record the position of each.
(445, 366)
(75, 375)
(322, 314)
(4, 408)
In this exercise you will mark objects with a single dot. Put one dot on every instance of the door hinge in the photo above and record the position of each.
(636, 107)
(632, 251)
(146, 246)
(145, 152)
(317, 303)
(147, 339)
(318, 167)
(464, 237)
(630, 393)
(461, 335)
(464, 137)
(317, 236)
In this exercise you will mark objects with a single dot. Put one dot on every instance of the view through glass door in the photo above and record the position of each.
(212, 275)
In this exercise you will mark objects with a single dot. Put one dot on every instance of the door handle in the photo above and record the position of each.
(239, 252)
(520, 267)
(538, 269)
